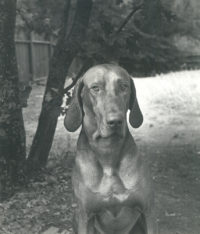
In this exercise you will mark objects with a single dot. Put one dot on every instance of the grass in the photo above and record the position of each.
(175, 90)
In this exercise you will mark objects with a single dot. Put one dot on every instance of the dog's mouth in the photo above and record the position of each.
(110, 136)
(107, 135)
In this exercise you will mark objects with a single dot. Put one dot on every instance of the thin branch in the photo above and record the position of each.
(126, 20)
(159, 40)
(141, 33)
(133, 13)
(79, 74)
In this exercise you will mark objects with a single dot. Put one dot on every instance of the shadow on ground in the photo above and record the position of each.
(169, 140)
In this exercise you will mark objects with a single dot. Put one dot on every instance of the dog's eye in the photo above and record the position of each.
(123, 87)
(95, 88)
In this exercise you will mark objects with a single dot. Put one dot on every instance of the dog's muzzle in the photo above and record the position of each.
(112, 126)
(114, 121)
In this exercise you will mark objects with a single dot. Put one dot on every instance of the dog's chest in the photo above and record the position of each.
(99, 185)
(113, 185)
(106, 186)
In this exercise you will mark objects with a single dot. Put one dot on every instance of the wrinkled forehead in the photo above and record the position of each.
(105, 73)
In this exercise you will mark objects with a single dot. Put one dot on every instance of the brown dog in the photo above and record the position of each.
(111, 185)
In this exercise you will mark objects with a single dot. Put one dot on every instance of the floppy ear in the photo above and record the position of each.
(73, 118)
(135, 117)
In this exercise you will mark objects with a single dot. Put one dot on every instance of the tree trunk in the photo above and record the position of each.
(66, 49)
(12, 133)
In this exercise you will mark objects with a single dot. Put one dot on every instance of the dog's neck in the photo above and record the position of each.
(109, 150)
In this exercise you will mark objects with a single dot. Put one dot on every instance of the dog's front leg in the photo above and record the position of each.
(84, 224)
(151, 222)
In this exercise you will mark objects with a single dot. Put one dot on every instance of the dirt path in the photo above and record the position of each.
(169, 140)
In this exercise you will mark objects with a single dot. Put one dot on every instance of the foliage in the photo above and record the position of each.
(42, 17)
(142, 42)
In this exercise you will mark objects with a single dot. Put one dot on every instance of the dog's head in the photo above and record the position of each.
(101, 100)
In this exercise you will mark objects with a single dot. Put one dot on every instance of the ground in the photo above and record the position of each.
(169, 140)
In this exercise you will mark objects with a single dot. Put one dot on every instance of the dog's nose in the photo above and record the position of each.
(114, 121)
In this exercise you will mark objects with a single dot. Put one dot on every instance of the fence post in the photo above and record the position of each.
(31, 56)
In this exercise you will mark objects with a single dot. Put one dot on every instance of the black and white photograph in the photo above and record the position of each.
(99, 117)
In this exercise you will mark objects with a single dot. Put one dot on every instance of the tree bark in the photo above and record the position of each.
(12, 133)
(66, 49)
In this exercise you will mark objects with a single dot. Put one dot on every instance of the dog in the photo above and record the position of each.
(111, 184)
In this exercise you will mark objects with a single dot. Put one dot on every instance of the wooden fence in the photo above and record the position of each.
(33, 58)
